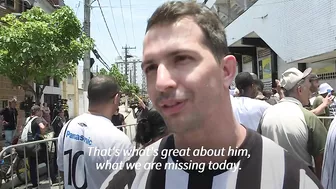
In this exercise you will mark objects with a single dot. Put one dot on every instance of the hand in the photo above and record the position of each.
(4, 122)
(328, 100)
(278, 86)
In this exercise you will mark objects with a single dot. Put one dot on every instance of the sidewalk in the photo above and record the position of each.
(44, 183)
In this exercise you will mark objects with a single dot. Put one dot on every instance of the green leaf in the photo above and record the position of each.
(38, 45)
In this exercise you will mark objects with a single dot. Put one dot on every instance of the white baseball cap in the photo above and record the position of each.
(292, 76)
(324, 87)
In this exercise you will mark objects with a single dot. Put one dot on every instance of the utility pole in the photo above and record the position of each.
(86, 24)
(126, 57)
(134, 72)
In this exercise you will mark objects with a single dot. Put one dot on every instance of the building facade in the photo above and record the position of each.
(270, 37)
(7, 90)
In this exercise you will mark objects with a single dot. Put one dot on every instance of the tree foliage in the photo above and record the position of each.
(126, 87)
(38, 45)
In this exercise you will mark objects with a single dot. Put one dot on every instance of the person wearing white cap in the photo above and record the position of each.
(292, 126)
(324, 90)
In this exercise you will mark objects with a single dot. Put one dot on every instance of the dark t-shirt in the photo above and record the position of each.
(118, 120)
(57, 125)
(36, 128)
(10, 116)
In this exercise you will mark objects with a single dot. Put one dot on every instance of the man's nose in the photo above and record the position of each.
(164, 79)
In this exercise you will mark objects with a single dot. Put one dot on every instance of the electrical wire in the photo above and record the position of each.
(100, 59)
(122, 15)
(130, 2)
(114, 22)
(108, 29)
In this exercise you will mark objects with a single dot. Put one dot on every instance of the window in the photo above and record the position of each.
(46, 81)
(24, 6)
(70, 80)
(2, 3)
(7, 3)
(56, 83)
(3, 104)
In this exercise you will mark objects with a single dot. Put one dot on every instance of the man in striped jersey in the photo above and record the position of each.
(188, 71)
(329, 161)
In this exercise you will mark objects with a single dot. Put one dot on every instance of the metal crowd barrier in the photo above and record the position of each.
(15, 160)
(14, 174)
(130, 131)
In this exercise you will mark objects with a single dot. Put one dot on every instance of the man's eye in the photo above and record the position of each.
(182, 58)
(150, 68)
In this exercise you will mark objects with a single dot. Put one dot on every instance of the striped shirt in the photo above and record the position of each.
(329, 161)
(268, 167)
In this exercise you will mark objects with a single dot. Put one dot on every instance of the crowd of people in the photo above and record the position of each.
(189, 71)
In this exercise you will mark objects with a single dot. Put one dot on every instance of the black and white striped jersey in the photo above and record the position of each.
(268, 167)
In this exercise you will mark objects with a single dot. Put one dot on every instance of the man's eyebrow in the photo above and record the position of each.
(146, 62)
(169, 54)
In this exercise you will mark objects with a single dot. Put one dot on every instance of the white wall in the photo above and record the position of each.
(80, 76)
(81, 104)
(247, 67)
(70, 103)
(293, 29)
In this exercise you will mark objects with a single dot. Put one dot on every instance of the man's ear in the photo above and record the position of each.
(116, 99)
(229, 66)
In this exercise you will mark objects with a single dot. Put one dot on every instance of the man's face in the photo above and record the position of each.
(304, 92)
(184, 81)
(39, 113)
(13, 104)
(314, 85)
(61, 113)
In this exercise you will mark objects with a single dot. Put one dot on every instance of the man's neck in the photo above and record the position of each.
(100, 111)
(218, 133)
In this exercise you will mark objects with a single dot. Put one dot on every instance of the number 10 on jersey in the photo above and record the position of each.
(73, 158)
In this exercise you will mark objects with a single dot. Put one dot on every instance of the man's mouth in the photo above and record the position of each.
(170, 107)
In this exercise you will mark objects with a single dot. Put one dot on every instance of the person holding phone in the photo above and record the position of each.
(325, 90)
(142, 109)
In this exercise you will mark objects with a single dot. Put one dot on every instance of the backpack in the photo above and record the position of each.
(27, 135)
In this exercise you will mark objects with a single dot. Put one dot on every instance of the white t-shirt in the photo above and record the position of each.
(250, 111)
(77, 154)
(328, 179)
(234, 107)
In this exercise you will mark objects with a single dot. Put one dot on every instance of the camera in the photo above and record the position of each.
(134, 105)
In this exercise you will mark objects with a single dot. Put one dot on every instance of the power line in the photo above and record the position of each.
(130, 2)
(122, 15)
(108, 29)
(114, 22)
(98, 57)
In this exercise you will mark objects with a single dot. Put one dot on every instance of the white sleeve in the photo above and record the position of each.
(60, 151)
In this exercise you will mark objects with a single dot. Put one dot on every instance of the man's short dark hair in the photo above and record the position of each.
(101, 89)
(34, 109)
(259, 85)
(209, 22)
(244, 80)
